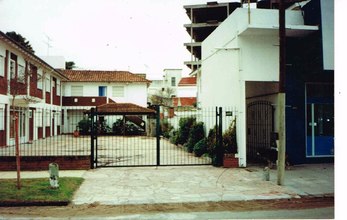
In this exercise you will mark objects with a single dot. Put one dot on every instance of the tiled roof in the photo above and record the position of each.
(102, 76)
(123, 108)
(184, 101)
(187, 81)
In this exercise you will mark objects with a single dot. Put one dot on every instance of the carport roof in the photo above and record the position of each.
(123, 109)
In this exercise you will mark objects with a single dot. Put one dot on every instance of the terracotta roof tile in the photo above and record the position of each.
(187, 81)
(124, 108)
(102, 76)
(184, 101)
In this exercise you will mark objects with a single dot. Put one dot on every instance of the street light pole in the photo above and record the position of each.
(282, 96)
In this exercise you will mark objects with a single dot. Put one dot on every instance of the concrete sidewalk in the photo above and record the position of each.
(151, 185)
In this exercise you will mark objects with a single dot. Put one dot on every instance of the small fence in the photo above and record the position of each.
(44, 132)
(63, 136)
(45, 135)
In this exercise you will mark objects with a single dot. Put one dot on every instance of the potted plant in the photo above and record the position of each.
(76, 132)
(230, 158)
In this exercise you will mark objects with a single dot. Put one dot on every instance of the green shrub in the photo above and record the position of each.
(128, 128)
(229, 139)
(84, 126)
(211, 141)
(118, 127)
(166, 129)
(212, 150)
(200, 148)
(185, 125)
(174, 136)
(195, 135)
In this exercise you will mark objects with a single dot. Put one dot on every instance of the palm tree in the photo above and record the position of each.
(69, 65)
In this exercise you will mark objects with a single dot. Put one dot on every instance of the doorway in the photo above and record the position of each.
(320, 130)
(319, 120)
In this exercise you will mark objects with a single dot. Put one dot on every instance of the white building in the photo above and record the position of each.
(33, 87)
(85, 89)
(166, 86)
(240, 63)
(187, 87)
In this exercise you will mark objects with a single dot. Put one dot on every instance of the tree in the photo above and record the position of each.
(69, 65)
(163, 97)
(19, 85)
(20, 40)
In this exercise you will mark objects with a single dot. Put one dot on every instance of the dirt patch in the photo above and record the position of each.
(96, 209)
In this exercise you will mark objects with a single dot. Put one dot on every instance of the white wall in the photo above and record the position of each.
(236, 52)
(135, 93)
(328, 33)
(186, 91)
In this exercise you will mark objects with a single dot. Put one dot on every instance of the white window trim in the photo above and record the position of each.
(39, 80)
(118, 93)
(48, 84)
(57, 118)
(38, 118)
(74, 90)
(2, 118)
(12, 71)
(2, 65)
(48, 118)
(21, 73)
(58, 87)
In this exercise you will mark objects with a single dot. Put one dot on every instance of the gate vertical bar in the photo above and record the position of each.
(219, 143)
(220, 135)
(158, 133)
(96, 136)
(92, 147)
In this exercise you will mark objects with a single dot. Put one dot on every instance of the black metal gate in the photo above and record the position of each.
(129, 144)
(260, 127)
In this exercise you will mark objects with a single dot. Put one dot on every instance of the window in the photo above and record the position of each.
(57, 118)
(118, 91)
(48, 118)
(12, 69)
(48, 84)
(39, 80)
(58, 87)
(102, 90)
(21, 74)
(76, 90)
(38, 118)
(2, 66)
(2, 117)
(173, 81)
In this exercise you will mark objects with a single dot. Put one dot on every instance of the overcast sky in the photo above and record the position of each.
(135, 35)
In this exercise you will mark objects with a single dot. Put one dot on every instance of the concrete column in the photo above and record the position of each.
(241, 126)
(65, 127)
(282, 139)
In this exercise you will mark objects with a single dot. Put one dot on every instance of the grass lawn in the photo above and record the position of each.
(38, 190)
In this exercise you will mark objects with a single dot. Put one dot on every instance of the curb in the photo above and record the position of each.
(33, 203)
(66, 203)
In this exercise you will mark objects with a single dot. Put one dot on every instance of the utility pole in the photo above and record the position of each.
(282, 96)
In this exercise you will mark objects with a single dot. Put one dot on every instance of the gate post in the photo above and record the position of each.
(92, 136)
(157, 108)
(219, 137)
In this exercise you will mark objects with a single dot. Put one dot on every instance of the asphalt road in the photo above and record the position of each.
(317, 213)
(304, 208)
(321, 213)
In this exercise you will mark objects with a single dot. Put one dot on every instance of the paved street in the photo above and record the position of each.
(190, 191)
